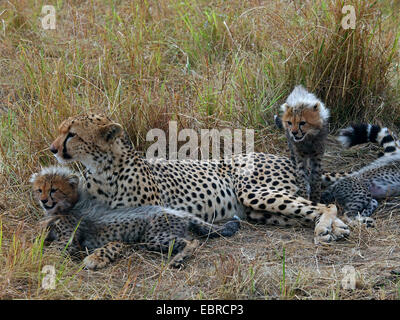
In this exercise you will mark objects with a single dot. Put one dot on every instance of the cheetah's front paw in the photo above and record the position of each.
(340, 229)
(324, 228)
(323, 234)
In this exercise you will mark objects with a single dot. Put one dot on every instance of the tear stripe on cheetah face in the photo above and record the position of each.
(206, 189)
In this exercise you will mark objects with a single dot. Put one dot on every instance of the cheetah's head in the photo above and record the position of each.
(56, 189)
(86, 138)
(303, 114)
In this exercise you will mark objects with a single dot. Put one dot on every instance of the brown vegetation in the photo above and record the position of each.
(204, 64)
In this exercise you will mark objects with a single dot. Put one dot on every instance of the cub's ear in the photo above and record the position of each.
(73, 180)
(284, 107)
(33, 177)
(323, 111)
(110, 132)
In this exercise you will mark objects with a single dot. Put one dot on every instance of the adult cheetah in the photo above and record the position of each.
(258, 186)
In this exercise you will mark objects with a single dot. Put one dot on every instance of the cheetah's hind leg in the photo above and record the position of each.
(365, 216)
(369, 210)
(356, 213)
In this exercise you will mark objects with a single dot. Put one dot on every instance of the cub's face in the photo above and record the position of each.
(85, 138)
(302, 122)
(56, 194)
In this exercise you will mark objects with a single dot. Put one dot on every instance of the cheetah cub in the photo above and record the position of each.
(359, 192)
(305, 121)
(78, 223)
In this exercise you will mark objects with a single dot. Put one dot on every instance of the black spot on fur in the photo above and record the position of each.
(387, 139)
(390, 149)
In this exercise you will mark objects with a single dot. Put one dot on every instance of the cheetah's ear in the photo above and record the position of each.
(111, 131)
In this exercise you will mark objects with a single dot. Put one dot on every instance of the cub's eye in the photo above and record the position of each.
(39, 190)
(302, 123)
(289, 123)
(53, 190)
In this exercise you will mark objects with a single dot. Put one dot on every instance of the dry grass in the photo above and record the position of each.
(260, 262)
(205, 65)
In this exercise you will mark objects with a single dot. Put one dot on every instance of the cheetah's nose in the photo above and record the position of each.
(53, 149)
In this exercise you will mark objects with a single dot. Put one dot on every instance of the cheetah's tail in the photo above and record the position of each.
(202, 228)
(364, 132)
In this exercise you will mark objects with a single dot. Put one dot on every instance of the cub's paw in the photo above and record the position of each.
(360, 220)
(367, 221)
(95, 261)
(177, 261)
(178, 264)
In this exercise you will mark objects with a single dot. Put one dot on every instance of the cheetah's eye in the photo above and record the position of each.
(289, 123)
(70, 135)
(39, 190)
(53, 190)
(302, 123)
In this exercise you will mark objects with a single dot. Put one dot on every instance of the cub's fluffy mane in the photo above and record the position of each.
(301, 98)
(56, 171)
(85, 204)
